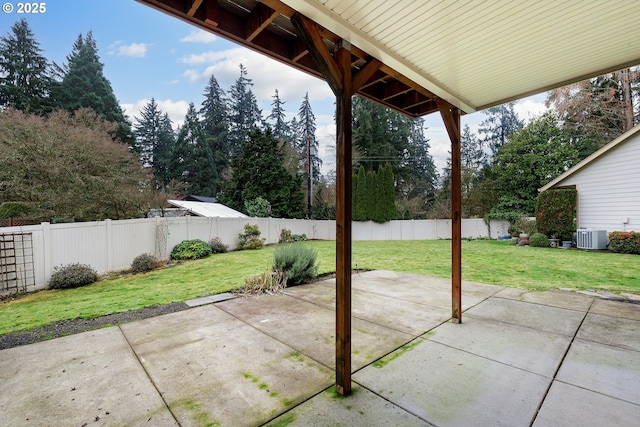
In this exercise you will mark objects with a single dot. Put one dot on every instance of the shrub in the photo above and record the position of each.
(297, 262)
(526, 225)
(539, 240)
(191, 249)
(14, 209)
(555, 212)
(285, 236)
(250, 239)
(624, 242)
(217, 247)
(72, 276)
(143, 263)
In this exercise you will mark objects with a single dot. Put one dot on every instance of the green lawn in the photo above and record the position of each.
(482, 261)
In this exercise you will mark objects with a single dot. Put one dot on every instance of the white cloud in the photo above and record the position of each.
(529, 109)
(136, 50)
(176, 110)
(198, 36)
(266, 74)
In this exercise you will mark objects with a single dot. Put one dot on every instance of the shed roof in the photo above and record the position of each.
(210, 210)
(592, 158)
(472, 54)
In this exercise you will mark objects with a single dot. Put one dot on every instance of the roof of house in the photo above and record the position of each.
(210, 210)
(592, 158)
(410, 54)
(196, 198)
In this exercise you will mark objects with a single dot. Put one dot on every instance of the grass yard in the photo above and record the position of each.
(482, 261)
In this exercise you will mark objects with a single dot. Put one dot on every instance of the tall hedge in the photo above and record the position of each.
(374, 195)
(556, 211)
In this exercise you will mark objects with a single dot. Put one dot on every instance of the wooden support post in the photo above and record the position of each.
(451, 118)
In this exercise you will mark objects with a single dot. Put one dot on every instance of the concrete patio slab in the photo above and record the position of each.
(408, 316)
(625, 310)
(568, 405)
(310, 329)
(362, 408)
(209, 299)
(213, 369)
(530, 349)
(608, 370)
(93, 378)
(542, 317)
(454, 387)
(250, 361)
(611, 330)
(553, 298)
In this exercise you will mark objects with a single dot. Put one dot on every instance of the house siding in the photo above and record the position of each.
(609, 189)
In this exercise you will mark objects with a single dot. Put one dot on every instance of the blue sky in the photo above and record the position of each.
(149, 54)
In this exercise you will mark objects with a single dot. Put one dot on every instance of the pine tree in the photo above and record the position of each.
(258, 171)
(24, 79)
(191, 159)
(154, 141)
(307, 141)
(245, 116)
(280, 128)
(500, 124)
(215, 120)
(83, 84)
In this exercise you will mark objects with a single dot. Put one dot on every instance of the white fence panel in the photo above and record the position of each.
(112, 245)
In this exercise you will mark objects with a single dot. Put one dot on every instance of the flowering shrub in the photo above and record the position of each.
(624, 242)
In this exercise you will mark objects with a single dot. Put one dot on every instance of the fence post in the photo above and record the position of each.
(46, 250)
(107, 225)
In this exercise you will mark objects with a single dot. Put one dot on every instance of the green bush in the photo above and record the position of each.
(14, 209)
(525, 225)
(250, 239)
(217, 247)
(191, 249)
(297, 262)
(624, 242)
(72, 276)
(143, 263)
(285, 236)
(539, 240)
(555, 212)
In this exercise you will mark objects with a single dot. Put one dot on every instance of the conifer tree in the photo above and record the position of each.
(500, 124)
(258, 171)
(154, 141)
(215, 120)
(191, 159)
(24, 78)
(83, 85)
(245, 116)
(280, 128)
(307, 143)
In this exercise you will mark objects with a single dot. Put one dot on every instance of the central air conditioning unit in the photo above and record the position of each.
(592, 239)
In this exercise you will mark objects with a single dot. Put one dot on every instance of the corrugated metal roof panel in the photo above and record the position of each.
(209, 210)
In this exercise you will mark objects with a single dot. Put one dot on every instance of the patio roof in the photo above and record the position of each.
(472, 54)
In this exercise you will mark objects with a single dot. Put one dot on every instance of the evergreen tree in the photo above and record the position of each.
(421, 175)
(500, 124)
(154, 141)
(83, 85)
(258, 171)
(191, 159)
(215, 120)
(280, 127)
(245, 116)
(373, 197)
(24, 79)
(307, 141)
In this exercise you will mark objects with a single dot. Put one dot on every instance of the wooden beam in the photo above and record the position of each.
(194, 7)
(343, 225)
(451, 118)
(260, 19)
(308, 31)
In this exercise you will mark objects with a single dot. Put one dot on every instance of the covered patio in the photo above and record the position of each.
(419, 58)
(521, 358)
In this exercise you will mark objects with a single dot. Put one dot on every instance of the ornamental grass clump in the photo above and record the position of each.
(297, 262)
